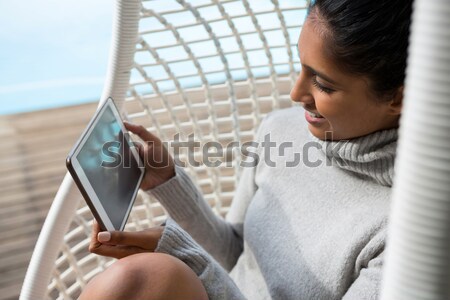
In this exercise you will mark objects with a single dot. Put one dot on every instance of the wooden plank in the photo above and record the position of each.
(13, 246)
(15, 260)
(21, 195)
(11, 164)
(40, 202)
(29, 142)
(24, 177)
(26, 215)
(12, 276)
(29, 185)
(32, 166)
(9, 292)
(30, 229)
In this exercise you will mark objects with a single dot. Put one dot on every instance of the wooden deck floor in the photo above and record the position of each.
(32, 154)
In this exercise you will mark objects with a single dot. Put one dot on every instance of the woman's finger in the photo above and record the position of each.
(140, 149)
(96, 226)
(117, 251)
(94, 243)
(144, 239)
(142, 132)
(95, 230)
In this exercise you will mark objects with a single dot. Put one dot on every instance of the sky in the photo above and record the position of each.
(55, 52)
(52, 52)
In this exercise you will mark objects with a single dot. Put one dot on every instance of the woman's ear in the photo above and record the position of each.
(396, 103)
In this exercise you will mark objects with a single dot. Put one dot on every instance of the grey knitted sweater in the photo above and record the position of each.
(308, 220)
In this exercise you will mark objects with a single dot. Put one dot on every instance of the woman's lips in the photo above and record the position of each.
(314, 118)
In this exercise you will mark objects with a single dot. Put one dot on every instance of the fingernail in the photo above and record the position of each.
(104, 236)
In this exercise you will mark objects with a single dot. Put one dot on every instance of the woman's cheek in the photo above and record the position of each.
(325, 106)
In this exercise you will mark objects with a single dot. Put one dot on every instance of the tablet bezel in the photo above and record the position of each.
(81, 179)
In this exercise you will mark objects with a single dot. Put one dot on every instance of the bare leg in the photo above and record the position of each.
(146, 276)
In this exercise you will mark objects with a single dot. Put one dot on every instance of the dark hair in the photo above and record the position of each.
(367, 37)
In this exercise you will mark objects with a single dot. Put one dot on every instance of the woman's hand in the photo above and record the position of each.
(159, 165)
(119, 244)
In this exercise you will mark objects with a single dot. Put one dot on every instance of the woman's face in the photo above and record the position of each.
(337, 105)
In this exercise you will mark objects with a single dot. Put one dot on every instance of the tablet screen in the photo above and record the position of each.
(110, 167)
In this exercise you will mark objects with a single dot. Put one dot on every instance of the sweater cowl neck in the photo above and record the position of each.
(372, 155)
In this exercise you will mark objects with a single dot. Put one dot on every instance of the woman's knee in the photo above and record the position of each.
(146, 276)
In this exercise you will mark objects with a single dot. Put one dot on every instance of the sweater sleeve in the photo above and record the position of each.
(218, 284)
(185, 204)
(368, 284)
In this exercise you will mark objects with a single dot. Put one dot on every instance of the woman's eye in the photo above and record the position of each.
(321, 87)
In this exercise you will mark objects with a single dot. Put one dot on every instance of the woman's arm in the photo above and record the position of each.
(174, 189)
(223, 239)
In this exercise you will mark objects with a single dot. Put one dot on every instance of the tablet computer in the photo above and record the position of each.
(107, 168)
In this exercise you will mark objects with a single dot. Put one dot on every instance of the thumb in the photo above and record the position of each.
(142, 132)
(143, 239)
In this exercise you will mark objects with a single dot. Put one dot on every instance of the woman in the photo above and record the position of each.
(309, 230)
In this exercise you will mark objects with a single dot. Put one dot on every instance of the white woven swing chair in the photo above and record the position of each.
(214, 68)
(211, 68)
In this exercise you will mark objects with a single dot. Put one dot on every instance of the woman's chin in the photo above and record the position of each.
(324, 134)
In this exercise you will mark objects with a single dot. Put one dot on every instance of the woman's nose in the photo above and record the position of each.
(301, 91)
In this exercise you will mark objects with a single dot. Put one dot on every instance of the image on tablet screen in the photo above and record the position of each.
(110, 167)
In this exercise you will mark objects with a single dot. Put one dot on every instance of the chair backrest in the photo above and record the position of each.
(203, 70)
(213, 69)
